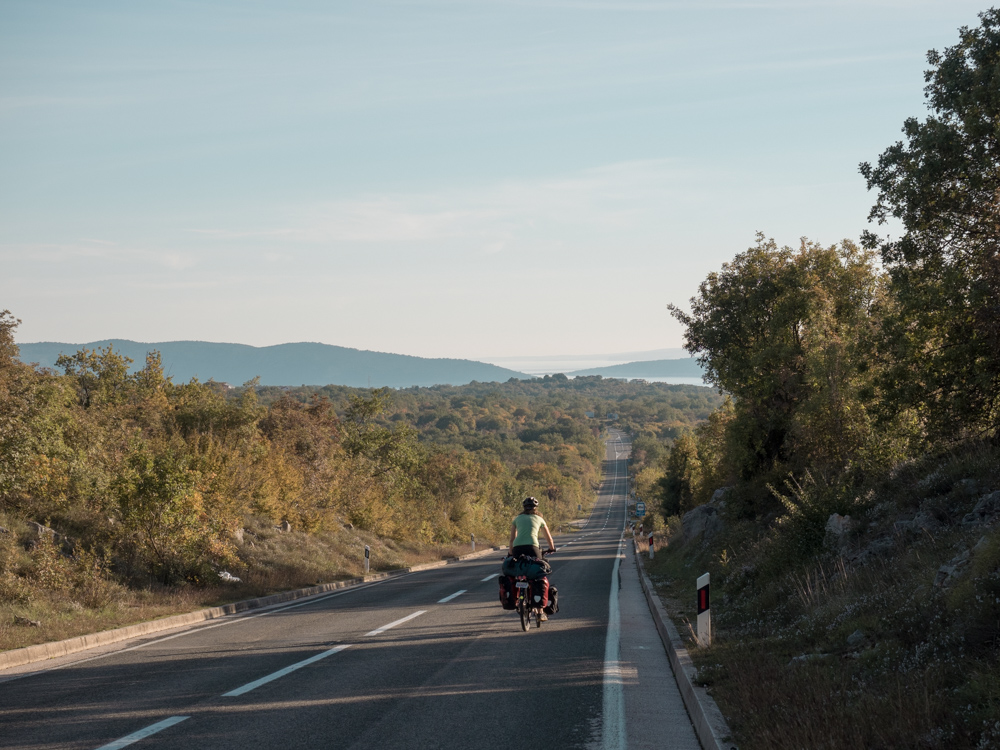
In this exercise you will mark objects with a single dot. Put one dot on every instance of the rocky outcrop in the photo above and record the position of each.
(986, 511)
(38, 531)
(952, 569)
(704, 521)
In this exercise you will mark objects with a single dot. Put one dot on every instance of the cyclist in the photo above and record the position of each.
(524, 531)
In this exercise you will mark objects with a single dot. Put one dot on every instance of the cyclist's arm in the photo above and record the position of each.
(510, 543)
(548, 536)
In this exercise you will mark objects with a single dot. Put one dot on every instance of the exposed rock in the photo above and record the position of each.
(946, 573)
(283, 526)
(987, 511)
(238, 536)
(839, 525)
(18, 620)
(719, 497)
(705, 521)
(856, 638)
(837, 528)
(349, 526)
(228, 577)
(702, 521)
(4, 531)
(926, 521)
(40, 531)
(876, 548)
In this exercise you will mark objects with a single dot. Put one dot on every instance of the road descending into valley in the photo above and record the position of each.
(422, 660)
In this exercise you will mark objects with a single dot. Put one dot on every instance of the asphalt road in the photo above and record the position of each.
(425, 660)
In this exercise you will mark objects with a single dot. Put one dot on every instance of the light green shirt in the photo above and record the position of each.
(528, 526)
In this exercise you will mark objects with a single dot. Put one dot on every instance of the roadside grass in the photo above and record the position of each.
(855, 646)
(73, 595)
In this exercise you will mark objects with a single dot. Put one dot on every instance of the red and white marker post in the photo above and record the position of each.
(704, 612)
(650, 546)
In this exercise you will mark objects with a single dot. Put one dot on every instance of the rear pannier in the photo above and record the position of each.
(508, 593)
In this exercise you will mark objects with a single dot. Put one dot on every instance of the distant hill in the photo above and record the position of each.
(658, 368)
(287, 364)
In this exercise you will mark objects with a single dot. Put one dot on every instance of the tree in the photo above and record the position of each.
(101, 374)
(682, 480)
(943, 185)
(16, 408)
(162, 517)
(774, 328)
(388, 451)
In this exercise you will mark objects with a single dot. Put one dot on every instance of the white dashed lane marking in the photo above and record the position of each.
(143, 733)
(400, 621)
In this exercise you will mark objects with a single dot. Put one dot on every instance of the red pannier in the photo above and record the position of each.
(508, 593)
(540, 592)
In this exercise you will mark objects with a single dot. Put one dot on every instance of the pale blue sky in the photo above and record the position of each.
(470, 179)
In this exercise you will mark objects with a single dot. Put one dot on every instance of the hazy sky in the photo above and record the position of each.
(470, 179)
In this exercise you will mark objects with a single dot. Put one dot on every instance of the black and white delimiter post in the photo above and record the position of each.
(704, 612)
(368, 554)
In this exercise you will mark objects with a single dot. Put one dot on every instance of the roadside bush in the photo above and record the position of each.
(84, 576)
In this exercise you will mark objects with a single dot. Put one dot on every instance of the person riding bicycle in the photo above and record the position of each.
(524, 531)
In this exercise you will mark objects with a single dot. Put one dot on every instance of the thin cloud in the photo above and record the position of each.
(609, 197)
(93, 250)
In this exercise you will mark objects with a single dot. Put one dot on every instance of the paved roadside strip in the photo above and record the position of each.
(44, 651)
(709, 723)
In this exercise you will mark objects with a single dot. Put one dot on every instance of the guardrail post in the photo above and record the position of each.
(704, 612)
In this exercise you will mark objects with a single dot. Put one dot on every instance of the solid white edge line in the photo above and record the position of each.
(400, 621)
(143, 733)
(490, 577)
(613, 715)
(282, 672)
(452, 596)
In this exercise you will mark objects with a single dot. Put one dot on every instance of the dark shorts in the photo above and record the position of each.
(527, 549)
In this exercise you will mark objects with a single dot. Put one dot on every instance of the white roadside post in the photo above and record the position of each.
(368, 554)
(704, 611)
(651, 545)
(473, 542)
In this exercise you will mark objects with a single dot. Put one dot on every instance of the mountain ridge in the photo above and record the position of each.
(289, 364)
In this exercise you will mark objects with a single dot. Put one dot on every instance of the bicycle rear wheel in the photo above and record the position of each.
(522, 607)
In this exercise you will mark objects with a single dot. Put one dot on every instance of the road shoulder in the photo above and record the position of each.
(709, 723)
(654, 708)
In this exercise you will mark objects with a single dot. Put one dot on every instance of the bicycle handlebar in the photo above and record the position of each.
(545, 553)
